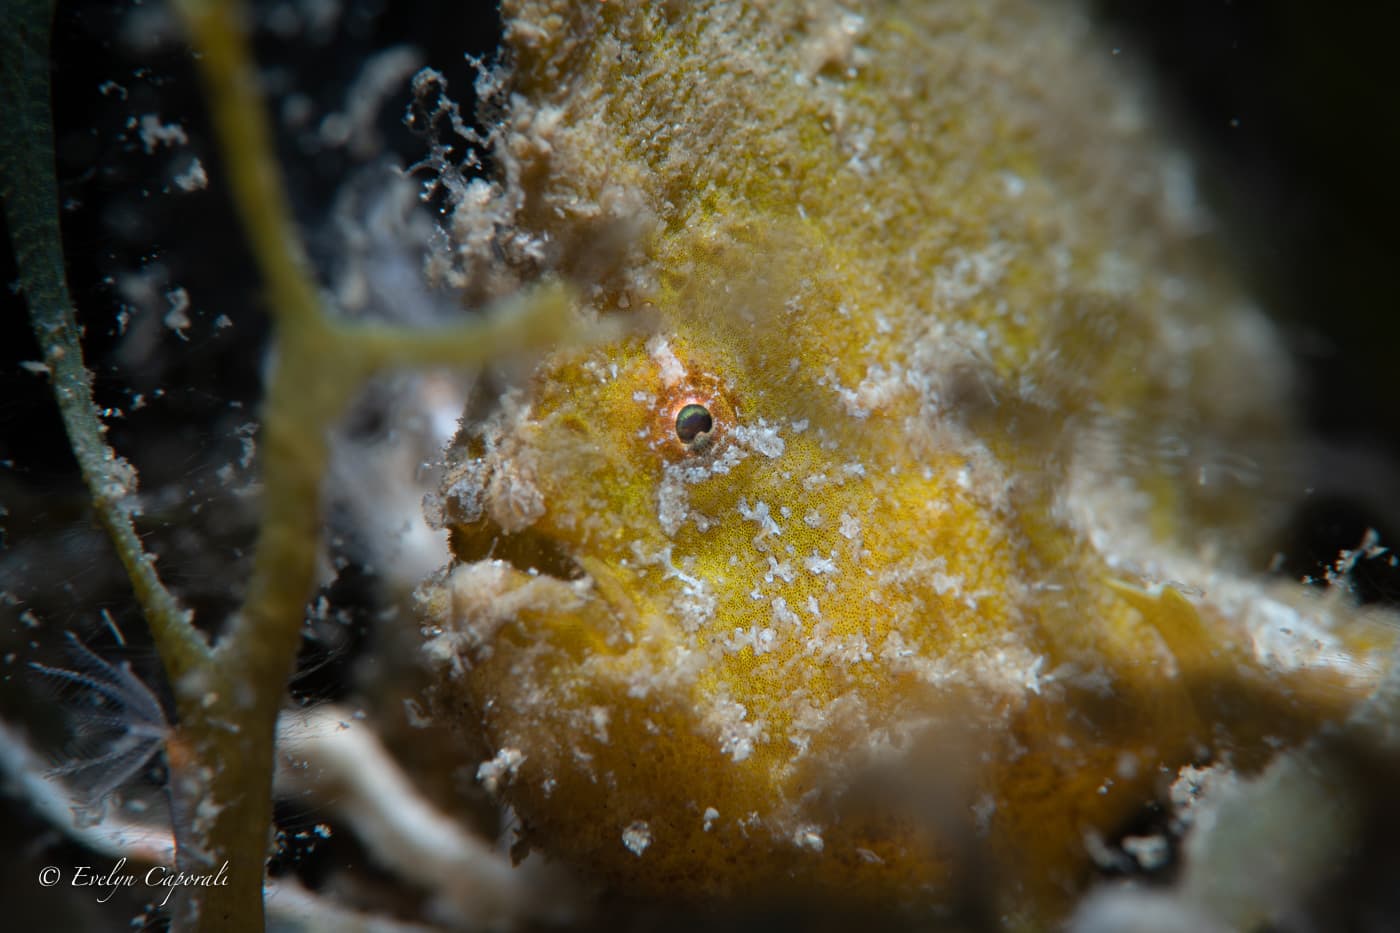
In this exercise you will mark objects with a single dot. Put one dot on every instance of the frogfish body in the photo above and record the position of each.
(905, 529)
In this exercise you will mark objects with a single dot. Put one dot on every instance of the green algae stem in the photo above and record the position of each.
(31, 211)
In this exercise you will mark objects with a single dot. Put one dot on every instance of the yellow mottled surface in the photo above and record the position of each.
(920, 598)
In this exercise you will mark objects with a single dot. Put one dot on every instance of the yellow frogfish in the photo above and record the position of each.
(904, 533)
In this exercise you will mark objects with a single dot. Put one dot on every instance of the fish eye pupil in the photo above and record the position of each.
(693, 421)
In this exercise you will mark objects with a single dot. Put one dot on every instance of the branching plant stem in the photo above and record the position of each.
(221, 750)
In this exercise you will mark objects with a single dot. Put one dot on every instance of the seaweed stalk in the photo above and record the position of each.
(31, 211)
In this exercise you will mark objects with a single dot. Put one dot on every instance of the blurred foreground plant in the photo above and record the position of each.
(227, 693)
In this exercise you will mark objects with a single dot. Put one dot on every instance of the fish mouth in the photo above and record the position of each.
(548, 561)
(528, 550)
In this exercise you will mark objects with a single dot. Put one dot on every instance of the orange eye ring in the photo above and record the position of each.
(692, 417)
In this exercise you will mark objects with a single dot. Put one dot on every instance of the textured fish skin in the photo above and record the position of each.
(957, 579)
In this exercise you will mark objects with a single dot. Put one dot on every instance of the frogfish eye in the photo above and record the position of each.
(692, 422)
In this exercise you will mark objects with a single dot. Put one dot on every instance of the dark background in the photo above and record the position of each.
(1291, 106)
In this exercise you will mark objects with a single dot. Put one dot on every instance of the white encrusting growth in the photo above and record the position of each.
(672, 497)
(758, 514)
(763, 438)
(500, 770)
(877, 390)
(502, 484)
(737, 735)
(672, 501)
(637, 837)
(808, 837)
(514, 500)
(759, 640)
(672, 370)
(969, 274)
(694, 605)
(1289, 638)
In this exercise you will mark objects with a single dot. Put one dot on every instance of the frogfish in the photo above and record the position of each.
(914, 523)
